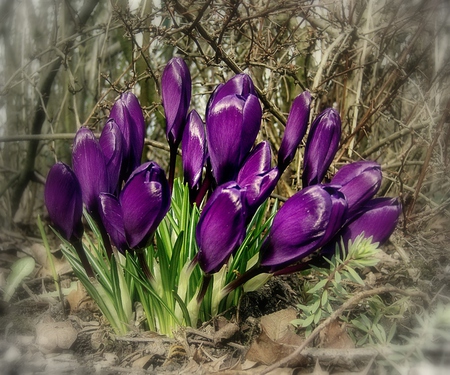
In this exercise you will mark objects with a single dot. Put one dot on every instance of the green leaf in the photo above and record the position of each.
(324, 299)
(308, 321)
(20, 269)
(354, 276)
(318, 286)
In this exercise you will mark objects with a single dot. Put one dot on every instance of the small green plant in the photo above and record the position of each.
(333, 284)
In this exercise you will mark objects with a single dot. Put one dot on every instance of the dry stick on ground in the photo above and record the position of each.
(349, 303)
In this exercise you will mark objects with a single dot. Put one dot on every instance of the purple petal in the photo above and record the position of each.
(194, 149)
(241, 84)
(111, 142)
(127, 113)
(338, 214)
(360, 181)
(62, 196)
(258, 189)
(145, 200)
(112, 218)
(221, 228)
(258, 161)
(321, 146)
(90, 168)
(231, 130)
(377, 218)
(176, 96)
(298, 228)
(296, 125)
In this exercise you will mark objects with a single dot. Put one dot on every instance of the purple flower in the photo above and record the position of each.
(377, 218)
(257, 178)
(302, 225)
(90, 168)
(231, 129)
(359, 182)
(62, 196)
(321, 146)
(240, 84)
(221, 228)
(132, 219)
(176, 96)
(111, 143)
(194, 150)
(295, 130)
(127, 113)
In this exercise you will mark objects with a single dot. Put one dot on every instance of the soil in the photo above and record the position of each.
(422, 262)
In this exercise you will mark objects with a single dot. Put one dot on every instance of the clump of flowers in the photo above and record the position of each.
(184, 247)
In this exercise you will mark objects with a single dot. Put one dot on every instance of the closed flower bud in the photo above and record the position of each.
(377, 219)
(321, 146)
(132, 219)
(89, 166)
(62, 195)
(221, 228)
(231, 129)
(295, 130)
(359, 182)
(257, 178)
(240, 84)
(194, 150)
(306, 221)
(111, 143)
(127, 113)
(176, 96)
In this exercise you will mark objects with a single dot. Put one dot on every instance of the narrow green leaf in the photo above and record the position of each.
(20, 269)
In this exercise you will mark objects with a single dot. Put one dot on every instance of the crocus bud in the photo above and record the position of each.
(176, 96)
(302, 225)
(221, 228)
(359, 182)
(231, 129)
(295, 130)
(240, 84)
(127, 113)
(132, 219)
(377, 218)
(90, 168)
(62, 196)
(194, 150)
(321, 146)
(111, 143)
(257, 178)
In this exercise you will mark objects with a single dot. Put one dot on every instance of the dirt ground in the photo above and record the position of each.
(41, 335)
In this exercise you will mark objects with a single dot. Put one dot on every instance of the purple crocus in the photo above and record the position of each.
(295, 130)
(127, 113)
(143, 202)
(221, 228)
(111, 143)
(176, 96)
(241, 84)
(359, 182)
(63, 199)
(321, 146)
(303, 224)
(231, 129)
(90, 168)
(257, 178)
(62, 196)
(194, 150)
(377, 219)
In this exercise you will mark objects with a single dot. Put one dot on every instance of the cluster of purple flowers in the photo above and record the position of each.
(129, 200)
